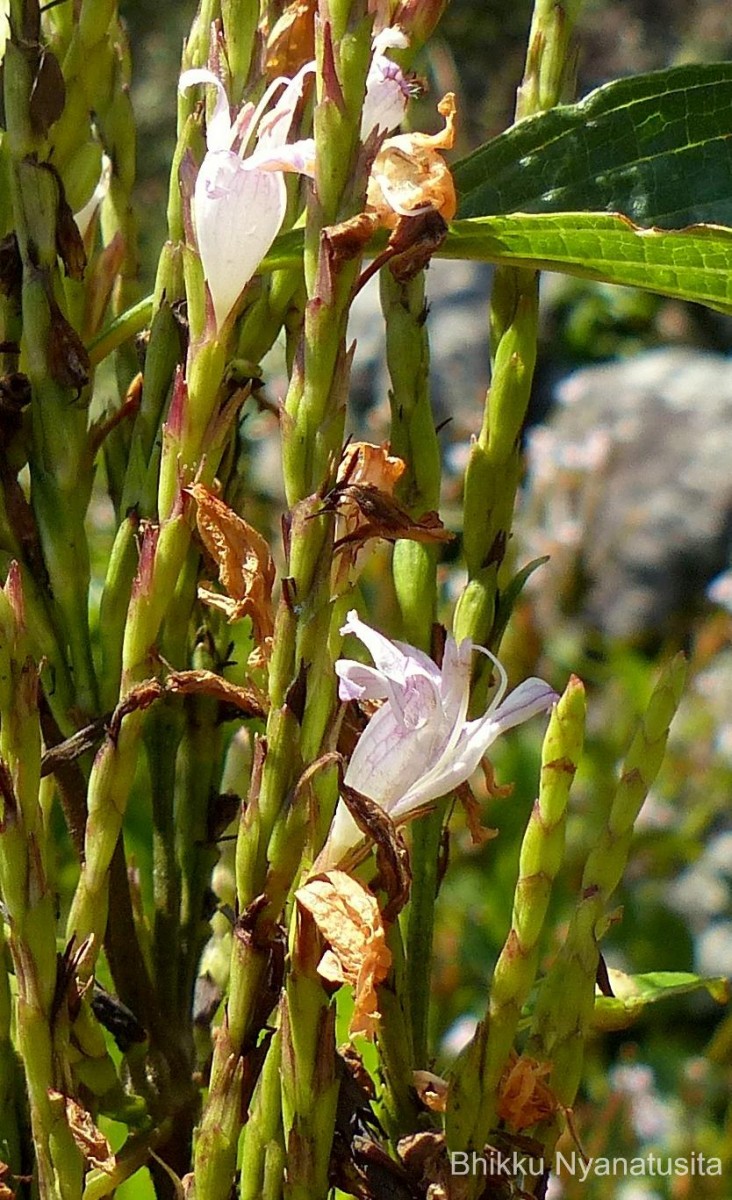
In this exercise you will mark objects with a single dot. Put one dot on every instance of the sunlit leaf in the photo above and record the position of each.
(694, 264)
(655, 147)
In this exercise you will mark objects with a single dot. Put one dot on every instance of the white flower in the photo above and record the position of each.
(418, 745)
(387, 88)
(240, 198)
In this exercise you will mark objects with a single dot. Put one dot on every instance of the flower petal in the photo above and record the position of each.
(238, 214)
(387, 657)
(529, 698)
(274, 127)
(360, 682)
(387, 96)
(391, 756)
(298, 156)
(455, 679)
(219, 132)
(412, 688)
(458, 761)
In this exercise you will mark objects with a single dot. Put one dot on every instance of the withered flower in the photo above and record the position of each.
(246, 570)
(348, 918)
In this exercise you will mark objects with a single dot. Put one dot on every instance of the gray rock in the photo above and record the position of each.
(630, 490)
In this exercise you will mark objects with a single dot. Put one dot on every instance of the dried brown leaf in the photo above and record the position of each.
(250, 700)
(246, 570)
(348, 918)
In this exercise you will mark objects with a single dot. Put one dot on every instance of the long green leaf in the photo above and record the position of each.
(655, 147)
(693, 264)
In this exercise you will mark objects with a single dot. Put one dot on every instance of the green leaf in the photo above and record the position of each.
(634, 992)
(654, 147)
(693, 264)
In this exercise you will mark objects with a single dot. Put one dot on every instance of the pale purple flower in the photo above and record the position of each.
(419, 745)
(388, 90)
(240, 199)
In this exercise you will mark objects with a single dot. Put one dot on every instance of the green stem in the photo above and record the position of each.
(414, 439)
(474, 1092)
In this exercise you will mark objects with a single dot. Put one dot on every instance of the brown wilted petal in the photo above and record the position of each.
(412, 243)
(392, 860)
(371, 513)
(246, 570)
(524, 1094)
(348, 918)
(409, 174)
(363, 462)
(426, 1159)
(345, 241)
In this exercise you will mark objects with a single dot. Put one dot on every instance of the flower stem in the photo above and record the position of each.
(60, 465)
(28, 901)
(493, 470)
(312, 435)
(473, 1101)
(566, 996)
(414, 439)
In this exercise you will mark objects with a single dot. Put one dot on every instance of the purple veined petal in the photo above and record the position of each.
(387, 88)
(387, 96)
(389, 758)
(412, 679)
(457, 662)
(387, 657)
(428, 665)
(243, 125)
(529, 698)
(238, 214)
(219, 131)
(412, 690)
(298, 156)
(274, 127)
(459, 759)
(360, 682)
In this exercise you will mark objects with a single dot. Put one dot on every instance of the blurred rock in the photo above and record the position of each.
(630, 491)
(457, 321)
